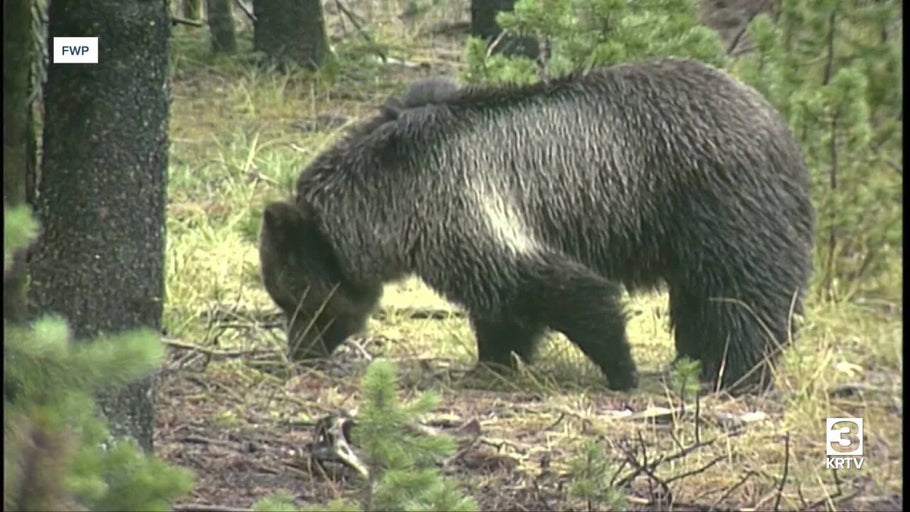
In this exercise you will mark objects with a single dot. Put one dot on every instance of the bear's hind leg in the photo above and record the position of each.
(733, 337)
(682, 306)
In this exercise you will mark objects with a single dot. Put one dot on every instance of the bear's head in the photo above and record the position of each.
(301, 273)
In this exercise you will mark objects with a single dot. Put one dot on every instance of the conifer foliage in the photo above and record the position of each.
(402, 463)
(58, 454)
(833, 68)
(588, 33)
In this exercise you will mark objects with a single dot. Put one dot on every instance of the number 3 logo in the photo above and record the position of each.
(845, 436)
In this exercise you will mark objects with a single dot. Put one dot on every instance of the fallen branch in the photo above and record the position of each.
(249, 14)
(649, 504)
(202, 507)
(836, 496)
(197, 439)
(419, 313)
(406, 63)
(696, 471)
(273, 317)
(214, 352)
(749, 474)
(183, 21)
(639, 468)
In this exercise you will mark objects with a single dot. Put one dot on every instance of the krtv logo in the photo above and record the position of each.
(844, 443)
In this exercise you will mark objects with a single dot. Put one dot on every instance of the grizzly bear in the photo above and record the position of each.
(532, 206)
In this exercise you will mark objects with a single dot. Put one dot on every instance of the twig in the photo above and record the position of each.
(251, 325)
(230, 392)
(197, 439)
(660, 505)
(358, 348)
(743, 51)
(562, 416)
(745, 27)
(668, 494)
(406, 63)
(696, 471)
(836, 497)
(183, 21)
(420, 313)
(676, 440)
(638, 469)
(622, 466)
(799, 492)
(783, 478)
(213, 352)
(749, 474)
(249, 14)
(202, 507)
(344, 10)
(541, 497)
(495, 43)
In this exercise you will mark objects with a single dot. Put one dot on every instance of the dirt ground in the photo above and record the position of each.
(247, 436)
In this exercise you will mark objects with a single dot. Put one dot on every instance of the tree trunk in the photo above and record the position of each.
(17, 62)
(221, 26)
(100, 260)
(37, 77)
(192, 9)
(483, 24)
(291, 31)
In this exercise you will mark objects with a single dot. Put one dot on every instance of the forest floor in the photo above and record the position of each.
(232, 409)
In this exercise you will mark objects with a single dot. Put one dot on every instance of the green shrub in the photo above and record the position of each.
(592, 472)
(402, 462)
(832, 67)
(58, 453)
(587, 33)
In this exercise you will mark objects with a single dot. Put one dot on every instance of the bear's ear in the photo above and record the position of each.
(392, 108)
(281, 216)
(282, 224)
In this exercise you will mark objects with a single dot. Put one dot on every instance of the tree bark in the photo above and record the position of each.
(483, 24)
(17, 61)
(221, 26)
(100, 260)
(192, 9)
(291, 31)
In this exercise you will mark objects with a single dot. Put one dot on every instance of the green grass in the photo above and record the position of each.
(234, 147)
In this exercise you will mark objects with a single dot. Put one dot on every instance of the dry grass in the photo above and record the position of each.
(240, 415)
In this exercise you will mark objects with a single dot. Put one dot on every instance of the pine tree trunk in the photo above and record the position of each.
(192, 9)
(221, 26)
(100, 260)
(483, 24)
(291, 31)
(17, 62)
